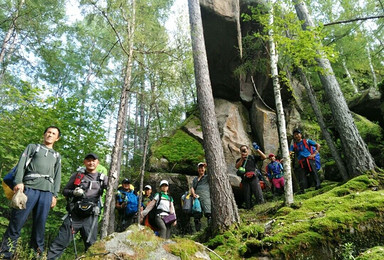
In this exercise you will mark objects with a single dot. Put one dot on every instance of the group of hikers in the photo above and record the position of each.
(38, 176)
(305, 150)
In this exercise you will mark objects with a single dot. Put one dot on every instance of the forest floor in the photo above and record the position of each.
(338, 221)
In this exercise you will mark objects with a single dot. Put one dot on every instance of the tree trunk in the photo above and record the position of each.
(355, 89)
(371, 67)
(355, 150)
(320, 119)
(280, 114)
(113, 176)
(224, 208)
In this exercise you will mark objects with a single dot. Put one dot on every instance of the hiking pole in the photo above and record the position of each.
(96, 212)
(73, 234)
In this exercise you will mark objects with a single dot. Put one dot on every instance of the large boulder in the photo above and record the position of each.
(139, 242)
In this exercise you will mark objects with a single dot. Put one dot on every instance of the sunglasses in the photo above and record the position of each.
(243, 151)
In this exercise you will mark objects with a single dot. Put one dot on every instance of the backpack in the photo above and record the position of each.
(187, 202)
(8, 182)
(311, 149)
(132, 204)
(84, 207)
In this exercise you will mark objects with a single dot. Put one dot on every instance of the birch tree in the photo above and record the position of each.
(280, 112)
(355, 150)
(224, 208)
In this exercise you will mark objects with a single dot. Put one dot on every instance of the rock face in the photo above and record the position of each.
(368, 104)
(223, 42)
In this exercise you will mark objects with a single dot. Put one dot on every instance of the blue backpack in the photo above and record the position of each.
(132, 204)
(9, 178)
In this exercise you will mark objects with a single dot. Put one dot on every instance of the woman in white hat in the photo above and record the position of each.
(162, 203)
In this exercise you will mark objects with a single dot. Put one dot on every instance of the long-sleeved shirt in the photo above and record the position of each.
(44, 162)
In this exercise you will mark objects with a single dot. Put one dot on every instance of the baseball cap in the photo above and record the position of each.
(201, 164)
(148, 187)
(164, 182)
(297, 131)
(94, 156)
(271, 155)
(125, 181)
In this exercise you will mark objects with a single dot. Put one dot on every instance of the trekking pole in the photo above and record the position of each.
(95, 218)
(73, 234)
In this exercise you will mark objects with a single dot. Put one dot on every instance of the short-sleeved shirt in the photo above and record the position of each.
(301, 151)
(250, 165)
(164, 205)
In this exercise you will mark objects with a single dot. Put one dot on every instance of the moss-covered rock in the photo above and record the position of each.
(177, 153)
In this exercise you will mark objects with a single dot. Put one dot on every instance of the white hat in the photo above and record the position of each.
(164, 182)
(148, 187)
(201, 164)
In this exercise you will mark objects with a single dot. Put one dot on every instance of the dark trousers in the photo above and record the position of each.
(39, 203)
(65, 236)
(164, 229)
(252, 186)
(303, 173)
(197, 219)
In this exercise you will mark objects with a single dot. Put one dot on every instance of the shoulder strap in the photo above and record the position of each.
(306, 146)
(245, 163)
(78, 178)
(158, 202)
(32, 155)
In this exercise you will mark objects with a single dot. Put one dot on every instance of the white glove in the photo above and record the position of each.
(78, 192)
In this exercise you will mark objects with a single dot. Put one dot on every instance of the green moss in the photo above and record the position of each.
(184, 248)
(375, 253)
(180, 150)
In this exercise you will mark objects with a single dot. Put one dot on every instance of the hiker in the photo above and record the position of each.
(126, 204)
(147, 197)
(40, 181)
(162, 203)
(200, 190)
(83, 192)
(246, 166)
(275, 174)
(307, 164)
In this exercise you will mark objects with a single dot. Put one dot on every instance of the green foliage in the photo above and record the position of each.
(296, 47)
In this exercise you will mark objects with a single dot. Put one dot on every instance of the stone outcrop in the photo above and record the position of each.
(139, 242)
(368, 104)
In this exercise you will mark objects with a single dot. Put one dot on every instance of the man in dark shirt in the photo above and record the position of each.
(249, 179)
(83, 192)
(40, 181)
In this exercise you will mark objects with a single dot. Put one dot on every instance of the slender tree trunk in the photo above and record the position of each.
(371, 67)
(109, 217)
(280, 113)
(224, 208)
(356, 90)
(136, 135)
(355, 150)
(323, 127)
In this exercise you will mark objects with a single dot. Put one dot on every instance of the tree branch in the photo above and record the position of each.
(356, 19)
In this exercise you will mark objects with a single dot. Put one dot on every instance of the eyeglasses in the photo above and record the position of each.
(243, 151)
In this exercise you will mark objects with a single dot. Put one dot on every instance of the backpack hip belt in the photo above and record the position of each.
(34, 175)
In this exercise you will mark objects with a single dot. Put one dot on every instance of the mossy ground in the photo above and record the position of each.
(318, 225)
